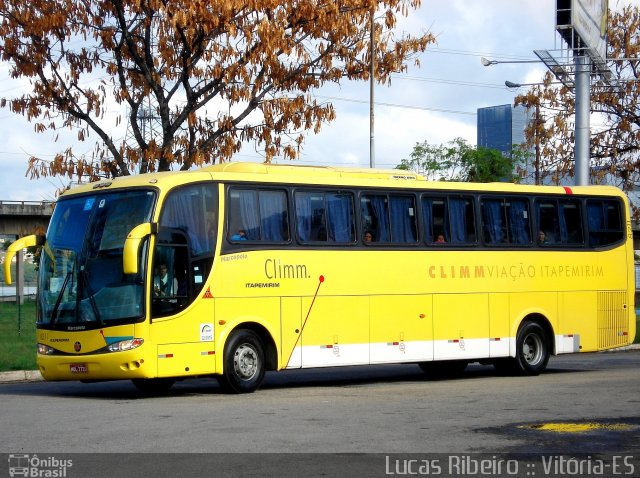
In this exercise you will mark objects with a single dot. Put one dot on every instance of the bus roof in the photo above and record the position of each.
(329, 175)
(298, 170)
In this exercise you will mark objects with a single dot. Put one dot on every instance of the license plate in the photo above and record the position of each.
(78, 368)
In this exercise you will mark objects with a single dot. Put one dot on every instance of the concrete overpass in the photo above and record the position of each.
(21, 218)
(17, 219)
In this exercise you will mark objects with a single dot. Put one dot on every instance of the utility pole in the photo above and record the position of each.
(372, 69)
(537, 140)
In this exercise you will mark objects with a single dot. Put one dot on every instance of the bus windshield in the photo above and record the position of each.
(81, 280)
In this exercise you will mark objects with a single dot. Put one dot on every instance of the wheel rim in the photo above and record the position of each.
(246, 362)
(532, 349)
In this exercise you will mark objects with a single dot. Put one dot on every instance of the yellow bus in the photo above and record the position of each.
(236, 269)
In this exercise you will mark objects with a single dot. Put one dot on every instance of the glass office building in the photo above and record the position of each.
(500, 127)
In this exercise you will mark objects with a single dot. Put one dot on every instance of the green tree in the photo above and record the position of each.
(457, 160)
(215, 74)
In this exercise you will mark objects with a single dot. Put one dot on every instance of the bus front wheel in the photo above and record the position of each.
(532, 349)
(244, 362)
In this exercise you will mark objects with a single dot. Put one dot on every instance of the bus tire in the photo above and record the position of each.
(153, 386)
(444, 368)
(532, 349)
(244, 362)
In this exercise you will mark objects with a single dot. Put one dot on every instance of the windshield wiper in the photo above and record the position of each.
(83, 287)
(54, 312)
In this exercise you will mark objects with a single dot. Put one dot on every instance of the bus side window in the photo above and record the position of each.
(189, 209)
(506, 221)
(375, 216)
(559, 222)
(518, 220)
(403, 219)
(324, 216)
(605, 222)
(548, 222)
(572, 219)
(340, 217)
(258, 215)
(461, 221)
(451, 218)
(494, 221)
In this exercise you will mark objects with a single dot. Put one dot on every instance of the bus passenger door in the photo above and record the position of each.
(460, 326)
(401, 328)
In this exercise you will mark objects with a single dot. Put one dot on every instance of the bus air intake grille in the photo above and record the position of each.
(613, 320)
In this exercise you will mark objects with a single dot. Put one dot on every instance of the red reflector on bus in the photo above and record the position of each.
(568, 190)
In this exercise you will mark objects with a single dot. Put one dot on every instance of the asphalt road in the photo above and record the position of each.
(583, 404)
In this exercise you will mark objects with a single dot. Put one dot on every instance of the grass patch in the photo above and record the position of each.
(18, 347)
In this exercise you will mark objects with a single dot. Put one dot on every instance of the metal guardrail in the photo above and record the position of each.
(41, 208)
(25, 203)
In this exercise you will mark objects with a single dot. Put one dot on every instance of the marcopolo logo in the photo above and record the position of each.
(40, 467)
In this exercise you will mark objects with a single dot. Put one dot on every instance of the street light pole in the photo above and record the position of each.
(582, 131)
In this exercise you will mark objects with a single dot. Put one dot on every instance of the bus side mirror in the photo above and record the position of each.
(15, 247)
(132, 245)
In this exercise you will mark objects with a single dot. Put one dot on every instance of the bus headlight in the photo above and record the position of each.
(124, 345)
(45, 350)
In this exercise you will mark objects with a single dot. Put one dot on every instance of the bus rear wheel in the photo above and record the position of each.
(532, 349)
(244, 362)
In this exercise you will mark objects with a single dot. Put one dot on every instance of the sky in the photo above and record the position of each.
(436, 102)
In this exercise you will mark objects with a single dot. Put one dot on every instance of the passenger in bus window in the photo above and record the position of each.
(241, 235)
(542, 237)
(440, 239)
(368, 237)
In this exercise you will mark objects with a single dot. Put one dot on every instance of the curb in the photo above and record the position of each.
(623, 349)
(34, 375)
(21, 376)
